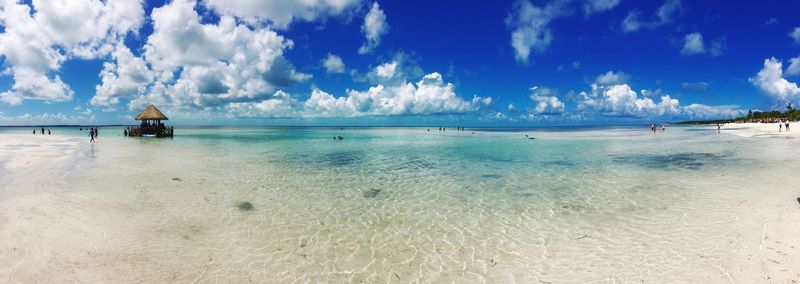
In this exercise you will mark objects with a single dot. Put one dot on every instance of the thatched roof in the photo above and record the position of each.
(151, 113)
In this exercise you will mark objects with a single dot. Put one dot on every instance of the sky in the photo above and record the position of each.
(355, 62)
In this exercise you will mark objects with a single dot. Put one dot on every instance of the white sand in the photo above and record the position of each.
(58, 230)
(764, 130)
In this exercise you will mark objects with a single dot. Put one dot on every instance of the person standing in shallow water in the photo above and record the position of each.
(718, 127)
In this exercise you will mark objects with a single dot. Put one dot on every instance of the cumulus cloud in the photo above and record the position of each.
(794, 67)
(545, 101)
(281, 13)
(38, 37)
(126, 76)
(280, 105)
(429, 95)
(32, 85)
(663, 15)
(611, 78)
(618, 100)
(374, 28)
(795, 35)
(771, 81)
(622, 101)
(215, 63)
(386, 70)
(530, 25)
(597, 6)
(333, 64)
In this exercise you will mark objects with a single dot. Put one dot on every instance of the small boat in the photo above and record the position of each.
(149, 135)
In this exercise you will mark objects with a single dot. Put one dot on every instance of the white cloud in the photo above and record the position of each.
(770, 80)
(693, 44)
(545, 101)
(396, 71)
(32, 85)
(430, 95)
(84, 117)
(333, 64)
(794, 67)
(281, 13)
(611, 78)
(700, 111)
(597, 6)
(511, 107)
(280, 105)
(10, 98)
(530, 27)
(663, 15)
(326, 105)
(216, 64)
(86, 27)
(374, 28)
(126, 76)
(38, 38)
(386, 70)
(795, 34)
(622, 101)
(487, 101)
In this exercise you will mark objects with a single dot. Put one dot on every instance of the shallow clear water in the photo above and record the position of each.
(402, 204)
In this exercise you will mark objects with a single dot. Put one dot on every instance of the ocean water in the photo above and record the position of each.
(250, 204)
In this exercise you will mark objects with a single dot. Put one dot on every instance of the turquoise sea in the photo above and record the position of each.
(292, 204)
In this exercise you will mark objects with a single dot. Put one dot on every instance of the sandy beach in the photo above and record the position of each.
(761, 130)
(712, 208)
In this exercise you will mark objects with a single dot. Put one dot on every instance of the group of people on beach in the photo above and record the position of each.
(48, 131)
(656, 128)
(782, 123)
(443, 129)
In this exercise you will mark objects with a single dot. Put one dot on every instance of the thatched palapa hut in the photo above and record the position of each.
(151, 125)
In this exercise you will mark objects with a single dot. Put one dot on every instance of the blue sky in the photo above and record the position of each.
(554, 62)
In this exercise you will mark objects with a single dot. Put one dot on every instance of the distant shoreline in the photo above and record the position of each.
(345, 126)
